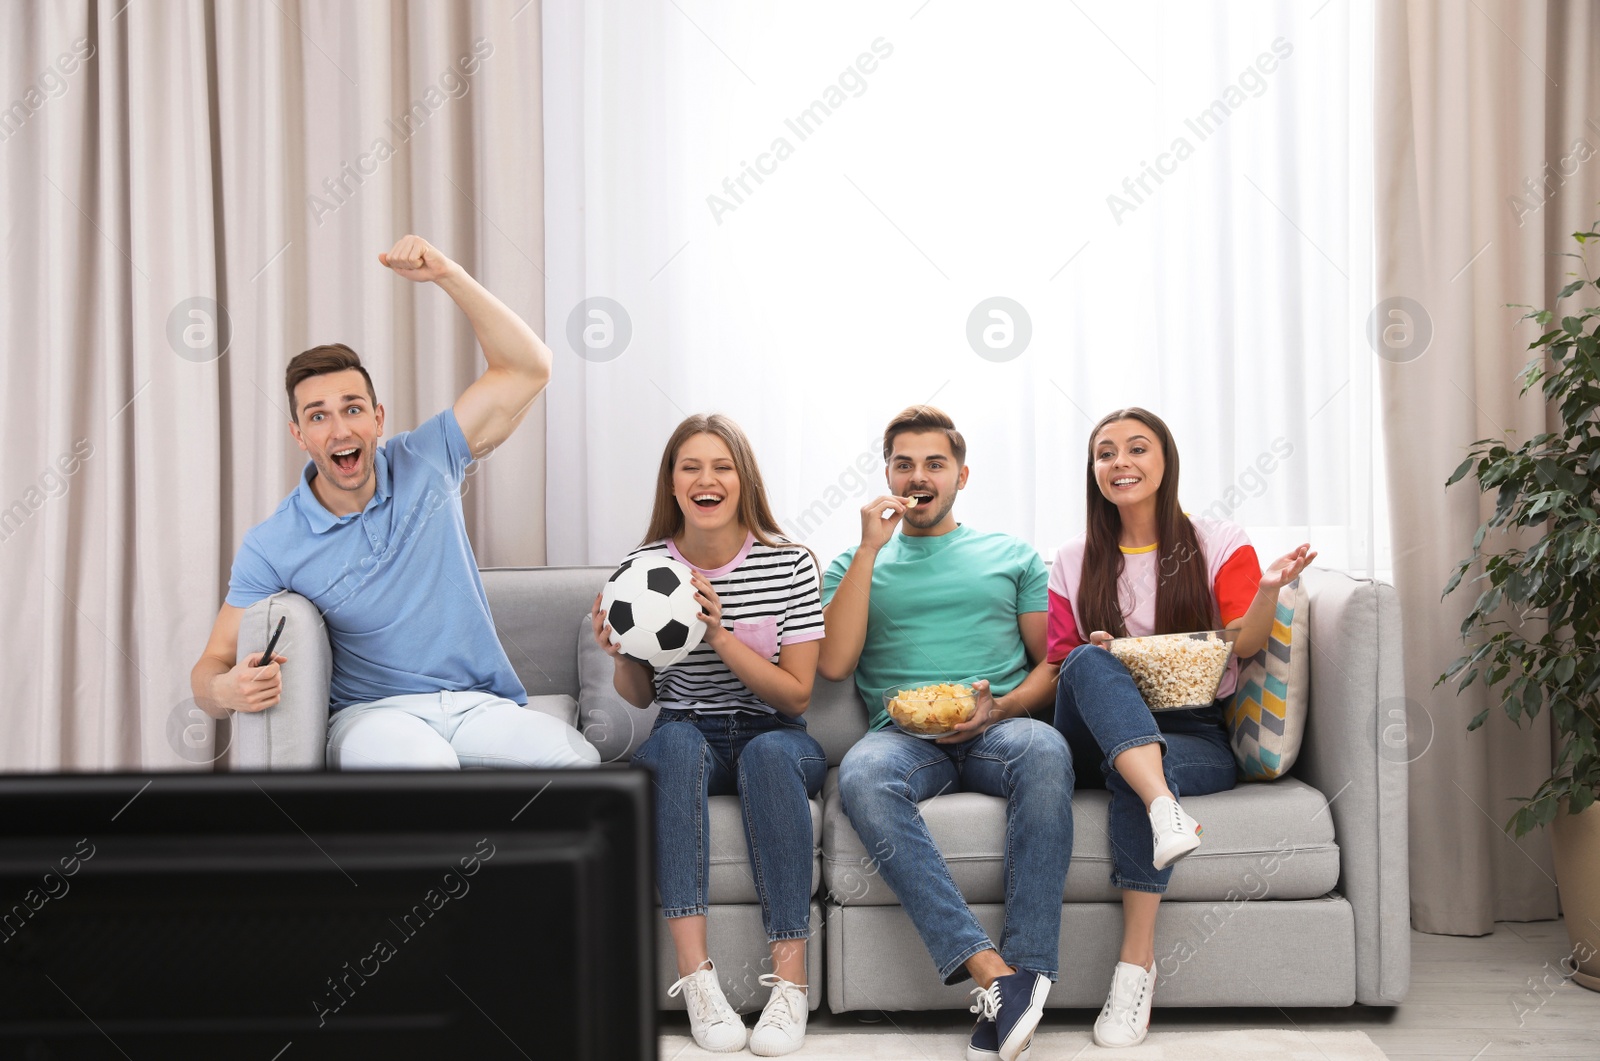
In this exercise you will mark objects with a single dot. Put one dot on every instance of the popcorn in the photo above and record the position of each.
(1174, 670)
(931, 710)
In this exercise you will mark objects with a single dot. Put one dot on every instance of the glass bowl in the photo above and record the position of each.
(1176, 671)
(930, 711)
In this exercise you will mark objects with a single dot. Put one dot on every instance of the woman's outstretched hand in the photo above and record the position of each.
(1286, 568)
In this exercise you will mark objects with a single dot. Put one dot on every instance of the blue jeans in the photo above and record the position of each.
(774, 766)
(1022, 760)
(1100, 712)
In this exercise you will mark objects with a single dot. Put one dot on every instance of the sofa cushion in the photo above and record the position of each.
(533, 609)
(1268, 954)
(1262, 840)
(836, 718)
(731, 879)
(615, 727)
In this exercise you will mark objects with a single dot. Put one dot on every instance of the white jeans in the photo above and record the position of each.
(449, 731)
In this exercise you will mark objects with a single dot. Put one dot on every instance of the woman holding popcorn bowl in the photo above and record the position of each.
(1143, 712)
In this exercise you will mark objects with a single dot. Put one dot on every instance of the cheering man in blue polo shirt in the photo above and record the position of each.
(374, 536)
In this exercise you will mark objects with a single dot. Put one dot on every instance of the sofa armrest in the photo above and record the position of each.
(292, 735)
(1357, 699)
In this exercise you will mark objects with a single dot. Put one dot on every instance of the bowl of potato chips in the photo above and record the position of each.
(930, 711)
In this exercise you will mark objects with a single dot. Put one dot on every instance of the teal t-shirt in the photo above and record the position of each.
(945, 609)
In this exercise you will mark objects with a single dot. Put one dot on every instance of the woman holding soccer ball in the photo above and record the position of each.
(730, 722)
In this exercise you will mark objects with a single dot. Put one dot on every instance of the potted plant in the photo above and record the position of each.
(1549, 487)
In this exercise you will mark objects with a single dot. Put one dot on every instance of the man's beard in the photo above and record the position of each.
(934, 515)
(331, 475)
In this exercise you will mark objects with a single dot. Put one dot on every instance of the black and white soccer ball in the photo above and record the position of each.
(649, 602)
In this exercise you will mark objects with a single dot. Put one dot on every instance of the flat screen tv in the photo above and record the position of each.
(285, 917)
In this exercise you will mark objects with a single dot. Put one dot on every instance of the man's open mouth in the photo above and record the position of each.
(346, 460)
(920, 497)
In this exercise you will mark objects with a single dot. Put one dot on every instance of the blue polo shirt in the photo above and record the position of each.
(396, 583)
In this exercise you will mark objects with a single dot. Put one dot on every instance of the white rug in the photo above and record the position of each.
(1252, 1045)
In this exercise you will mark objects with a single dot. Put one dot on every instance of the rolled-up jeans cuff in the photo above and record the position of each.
(955, 971)
(1137, 742)
(1023, 967)
(799, 933)
(686, 911)
(1122, 883)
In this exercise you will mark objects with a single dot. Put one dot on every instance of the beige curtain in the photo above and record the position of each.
(173, 172)
(1488, 157)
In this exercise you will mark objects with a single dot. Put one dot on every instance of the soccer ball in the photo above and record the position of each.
(649, 602)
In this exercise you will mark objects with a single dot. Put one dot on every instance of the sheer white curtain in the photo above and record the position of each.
(792, 214)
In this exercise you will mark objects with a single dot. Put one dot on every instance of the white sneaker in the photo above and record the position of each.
(1175, 833)
(714, 1024)
(782, 1027)
(1125, 1018)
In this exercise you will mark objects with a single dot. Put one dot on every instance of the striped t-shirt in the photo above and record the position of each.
(770, 598)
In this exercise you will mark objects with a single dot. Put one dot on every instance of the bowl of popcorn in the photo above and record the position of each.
(1176, 671)
(930, 711)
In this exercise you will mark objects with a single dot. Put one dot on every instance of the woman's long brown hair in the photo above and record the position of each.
(755, 514)
(1183, 595)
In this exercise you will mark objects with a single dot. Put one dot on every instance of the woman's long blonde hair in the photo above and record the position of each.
(755, 514)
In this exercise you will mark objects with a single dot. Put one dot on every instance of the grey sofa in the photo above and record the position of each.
(1299, 896)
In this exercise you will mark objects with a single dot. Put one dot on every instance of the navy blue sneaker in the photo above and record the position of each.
(985, 1044)
(1008, 1012)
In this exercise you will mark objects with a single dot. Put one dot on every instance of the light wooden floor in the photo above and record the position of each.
(1472, 999)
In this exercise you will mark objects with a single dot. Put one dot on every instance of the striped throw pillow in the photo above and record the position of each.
(1266, 717)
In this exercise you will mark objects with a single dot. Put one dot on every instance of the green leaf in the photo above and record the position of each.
(1505, 501)
(1462, 469)
(1570, 288)
(1532, 700)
